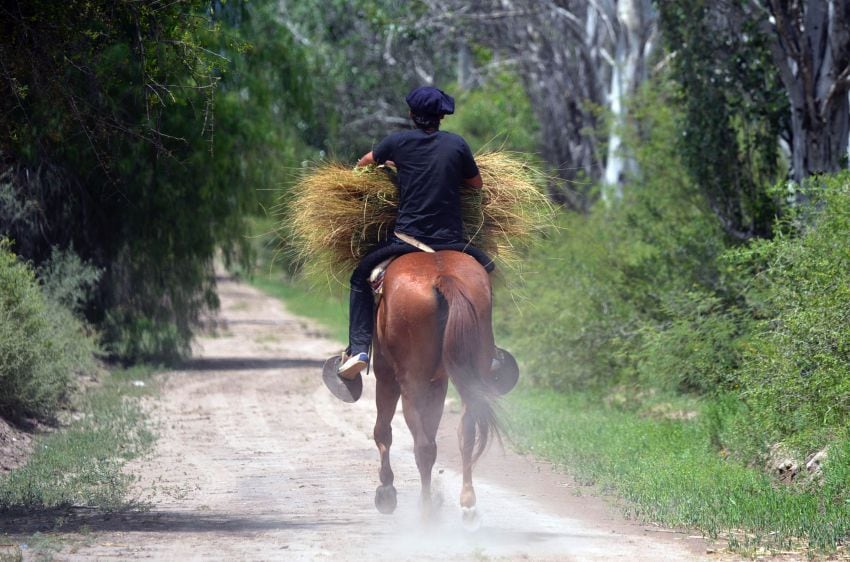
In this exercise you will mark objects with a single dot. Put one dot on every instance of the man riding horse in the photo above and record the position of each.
(432, 166)
(434, 322)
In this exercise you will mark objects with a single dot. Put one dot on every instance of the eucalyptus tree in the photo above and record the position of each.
(734, 110)
(634, 33)
(756, 76)
(578, 60)
(810, 43)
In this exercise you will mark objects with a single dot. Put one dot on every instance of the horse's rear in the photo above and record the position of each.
(434, 324)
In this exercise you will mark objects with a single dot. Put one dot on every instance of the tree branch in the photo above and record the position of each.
(839, 87)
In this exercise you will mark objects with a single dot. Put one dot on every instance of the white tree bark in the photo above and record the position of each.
(464, 66)
(574, 56)
(634, 36)
(811, 47)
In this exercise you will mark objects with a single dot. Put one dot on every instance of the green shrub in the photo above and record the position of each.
(135, 339)
(67, 280)
(571, 326)
(495, 115)
(41, 343)
(697, 349)
(629, 280)
(796, 369)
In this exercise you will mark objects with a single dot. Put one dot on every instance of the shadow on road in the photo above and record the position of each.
(248, 364)
(79, 519)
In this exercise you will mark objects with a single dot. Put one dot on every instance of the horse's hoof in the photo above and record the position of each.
(504, 373)
(344, 389)
(471, 519)
(385, 499)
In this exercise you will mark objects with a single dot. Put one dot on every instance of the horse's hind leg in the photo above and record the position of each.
(387, 394)
(423, 413)
(466, 438)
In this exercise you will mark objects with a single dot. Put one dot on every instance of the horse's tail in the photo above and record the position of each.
(462, 341)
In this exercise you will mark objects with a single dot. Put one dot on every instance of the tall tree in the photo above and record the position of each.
(734, 110)
(634, 32)
(574, 57)
(755, 75)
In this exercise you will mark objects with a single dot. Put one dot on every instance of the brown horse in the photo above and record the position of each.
(434, 325)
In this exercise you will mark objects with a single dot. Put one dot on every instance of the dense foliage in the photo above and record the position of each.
(795, 373)
(496, 115)
(649, 294)
(734, 112)
(606, 284)
(139, 133)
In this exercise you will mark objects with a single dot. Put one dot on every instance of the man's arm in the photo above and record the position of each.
(474, 181)
(367, 160)
(469, 168)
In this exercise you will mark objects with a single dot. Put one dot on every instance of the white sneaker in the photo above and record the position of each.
(352, 366)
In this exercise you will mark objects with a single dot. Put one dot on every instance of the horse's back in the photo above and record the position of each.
(412, 315)
(413, 280)
(417, 271)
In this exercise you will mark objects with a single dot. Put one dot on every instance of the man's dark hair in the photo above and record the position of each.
(426, 122)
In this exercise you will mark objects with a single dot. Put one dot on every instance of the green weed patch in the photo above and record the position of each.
(667, 472)
(82, 465)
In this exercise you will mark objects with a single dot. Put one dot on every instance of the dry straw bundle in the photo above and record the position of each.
(338, 214)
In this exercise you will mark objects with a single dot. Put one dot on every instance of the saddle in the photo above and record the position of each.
(376, 278)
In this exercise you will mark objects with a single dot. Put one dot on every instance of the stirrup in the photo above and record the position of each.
(504, 372)
(347, 390)
(353, 365)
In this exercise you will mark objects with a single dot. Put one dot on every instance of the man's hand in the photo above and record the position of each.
(367, 160)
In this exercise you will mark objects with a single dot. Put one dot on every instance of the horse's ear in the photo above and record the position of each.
(504, 373)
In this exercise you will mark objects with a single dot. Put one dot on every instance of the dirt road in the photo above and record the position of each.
(256, 461)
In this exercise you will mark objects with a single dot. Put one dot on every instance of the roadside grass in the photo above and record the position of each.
(668, 473)
(81, 465)
(309, 298)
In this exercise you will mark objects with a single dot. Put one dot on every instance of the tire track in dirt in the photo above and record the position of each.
(256, 461)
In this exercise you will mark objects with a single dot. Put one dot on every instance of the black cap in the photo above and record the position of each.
(428, 100)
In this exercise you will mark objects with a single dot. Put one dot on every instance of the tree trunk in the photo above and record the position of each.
(820, 146)
(634, 42)
(464, 67)
(812, 50)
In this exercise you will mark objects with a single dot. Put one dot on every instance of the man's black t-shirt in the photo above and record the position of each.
(431, 168)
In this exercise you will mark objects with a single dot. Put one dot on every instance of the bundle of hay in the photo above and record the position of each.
(337, 214)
